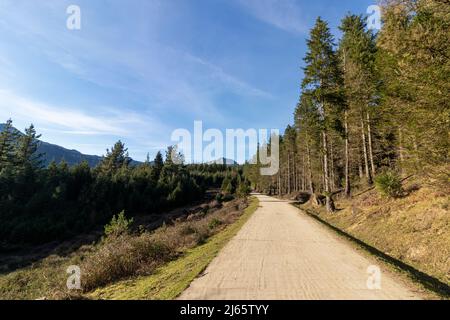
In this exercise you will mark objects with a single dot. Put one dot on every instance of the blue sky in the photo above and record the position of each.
(139, 69)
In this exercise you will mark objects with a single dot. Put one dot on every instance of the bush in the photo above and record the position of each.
(118, 226)
(219, 197)
(122, 257)
(227, 198)
(187, 230)
(127, 255)
(214, 223)
(201, 235)
(389, 184)
(243, 190)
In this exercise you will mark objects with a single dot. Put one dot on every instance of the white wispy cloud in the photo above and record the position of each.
(172, 78)
(283, 14)
(236, 84)
(163, 79)
(109, 121)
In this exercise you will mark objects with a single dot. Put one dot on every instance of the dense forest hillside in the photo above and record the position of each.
(374, 107)
(40, 203)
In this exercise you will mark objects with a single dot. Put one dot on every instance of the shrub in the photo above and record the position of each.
(243, 190)
(227, 198)
(127, 255)
(122, 257)
(389, 184)
(187, 230)
(118, 226)
(219, 197)
(201, 235)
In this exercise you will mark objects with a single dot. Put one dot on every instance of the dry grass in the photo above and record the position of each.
(136, 255)
(119, 257)
(168, 281)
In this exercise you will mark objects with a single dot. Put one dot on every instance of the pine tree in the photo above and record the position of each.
(158, 164)
(115, 159)
(322, 80)
(358, 55)
(308, 125)
(26, 153)
(8, 140)
(415, 67)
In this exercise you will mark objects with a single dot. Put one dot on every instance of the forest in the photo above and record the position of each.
(373, 108)
(40, 204)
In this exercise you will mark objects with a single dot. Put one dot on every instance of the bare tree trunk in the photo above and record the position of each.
(400, 149)
(369, 134)
(322, 169)
(310, 180)
(295, 174)
(332, 174)
(347, 158)
(329, 200)
(303, 173)
(279, 184)
(289, 173)
(360, 166)
(365, 153)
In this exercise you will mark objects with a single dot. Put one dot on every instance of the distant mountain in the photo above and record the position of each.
(224, 161)
(53, 152)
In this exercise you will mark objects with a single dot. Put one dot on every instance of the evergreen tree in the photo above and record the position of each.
(115, 159)
(158, 164)
(323, 81)
(308, 125)
(414, 61)
(358, 55)
(8, 138)
(26, 153)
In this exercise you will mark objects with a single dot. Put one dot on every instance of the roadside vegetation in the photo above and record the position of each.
(413, 228)
(116, 221)
(128, 252)
(171, 279)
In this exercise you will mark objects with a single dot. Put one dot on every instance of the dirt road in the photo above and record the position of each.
(281, 253)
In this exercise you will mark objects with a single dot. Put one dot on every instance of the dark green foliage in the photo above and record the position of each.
(234, 184)
(39, 204)
(115, 159)
(243, 187)
(227, 186)
(214, 223)
(7, 139)
(27, 158)
(157, 166)
(118, 226)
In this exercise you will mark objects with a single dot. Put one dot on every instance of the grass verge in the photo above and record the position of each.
(428, 282)
(411, 233)
(168, 281)
(413, 228)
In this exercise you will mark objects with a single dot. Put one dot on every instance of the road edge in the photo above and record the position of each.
(171, 280)
(429, 283)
